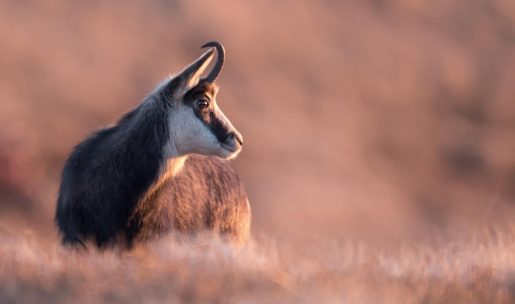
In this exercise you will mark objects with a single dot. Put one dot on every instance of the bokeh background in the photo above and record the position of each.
(381, 121)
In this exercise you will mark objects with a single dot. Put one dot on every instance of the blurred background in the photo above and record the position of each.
(377, 120)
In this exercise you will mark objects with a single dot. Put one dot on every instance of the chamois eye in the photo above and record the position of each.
(202, 104)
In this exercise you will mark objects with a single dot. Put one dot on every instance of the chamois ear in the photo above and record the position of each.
(190, 76)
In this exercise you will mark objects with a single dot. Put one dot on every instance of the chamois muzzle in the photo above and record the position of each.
(219, 61)
(233, 142)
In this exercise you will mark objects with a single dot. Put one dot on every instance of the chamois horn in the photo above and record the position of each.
(219, 61)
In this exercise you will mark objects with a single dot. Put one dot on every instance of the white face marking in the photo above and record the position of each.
(188, 134)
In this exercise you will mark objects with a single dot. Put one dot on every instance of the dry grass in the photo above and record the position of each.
(467, 269)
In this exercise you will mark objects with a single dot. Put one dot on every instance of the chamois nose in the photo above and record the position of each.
(235, 136)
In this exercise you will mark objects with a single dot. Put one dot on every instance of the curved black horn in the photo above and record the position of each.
(219, 62)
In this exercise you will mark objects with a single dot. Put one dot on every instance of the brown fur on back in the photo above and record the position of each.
(205, 195)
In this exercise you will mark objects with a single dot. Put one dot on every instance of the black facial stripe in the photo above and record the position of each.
(213, 123)
(218, 128)
(208, 116)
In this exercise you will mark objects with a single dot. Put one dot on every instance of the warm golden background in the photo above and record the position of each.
(379, 155)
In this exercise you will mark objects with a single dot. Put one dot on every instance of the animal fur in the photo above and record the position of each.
(131, 183)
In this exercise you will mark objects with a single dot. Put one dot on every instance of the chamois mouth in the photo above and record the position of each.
(233, 142)
(231, 148)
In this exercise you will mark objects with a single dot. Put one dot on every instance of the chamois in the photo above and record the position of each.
(161, 169)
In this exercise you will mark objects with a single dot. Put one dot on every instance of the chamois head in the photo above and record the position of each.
(196, 123)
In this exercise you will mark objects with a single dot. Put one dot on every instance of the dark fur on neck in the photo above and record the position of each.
(108, 173)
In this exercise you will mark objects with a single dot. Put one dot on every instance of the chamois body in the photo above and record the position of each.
(205, 196)
(146, 176)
